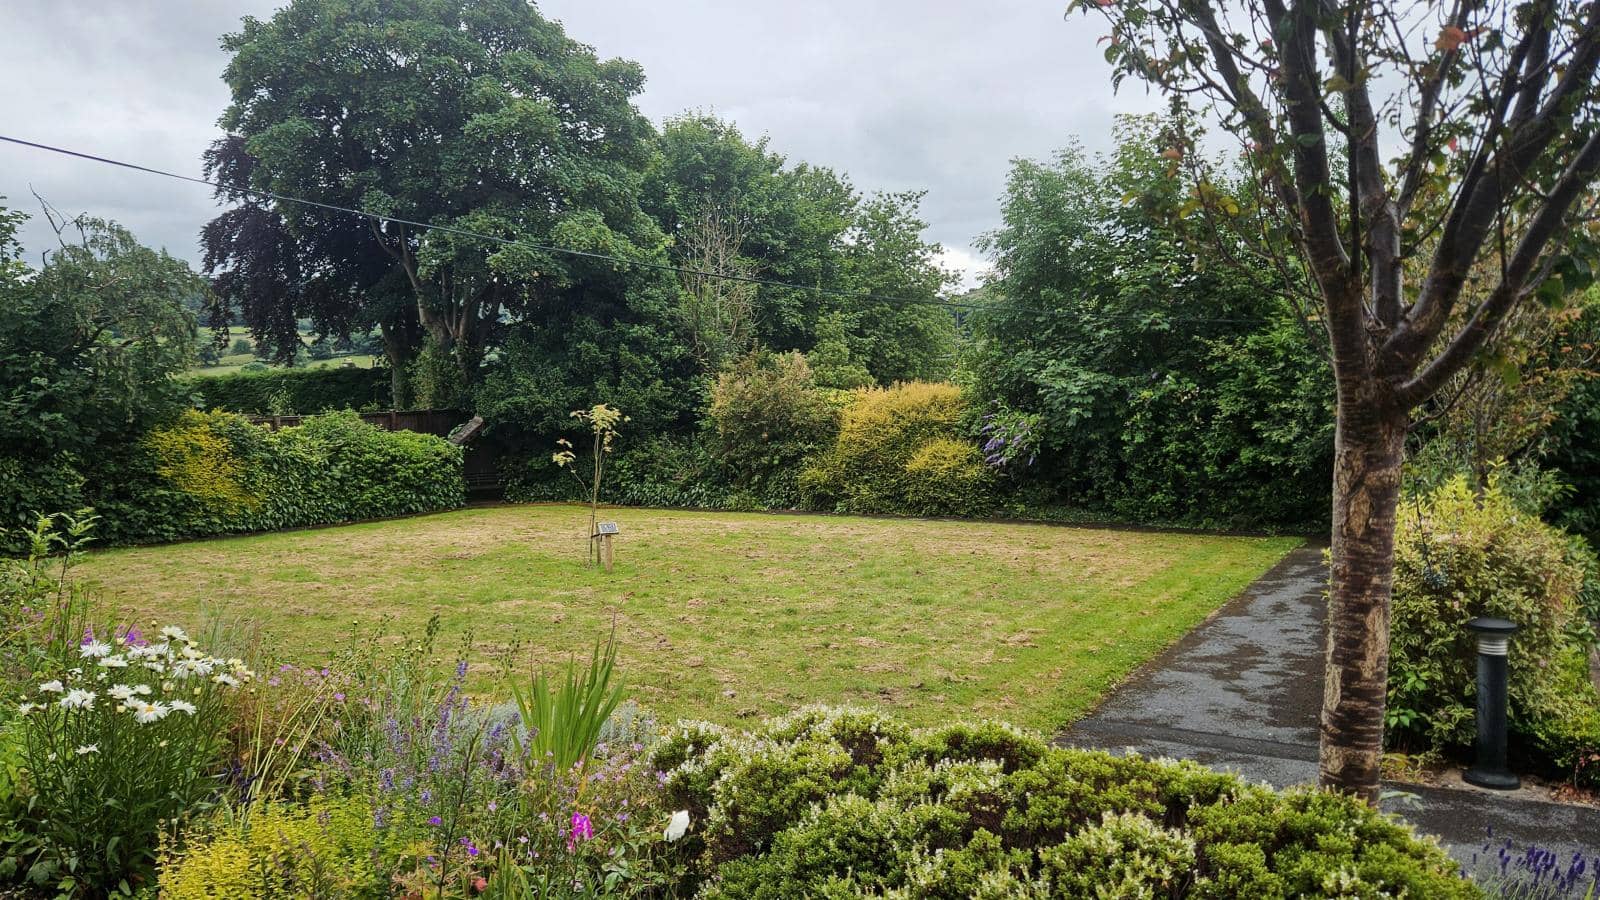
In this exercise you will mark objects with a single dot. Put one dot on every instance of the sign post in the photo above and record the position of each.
(604, 532)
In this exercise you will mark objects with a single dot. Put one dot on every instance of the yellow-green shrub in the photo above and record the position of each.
(947, 476)
(196, 457)
(326, 848)
(900, 450)
(1460, 554)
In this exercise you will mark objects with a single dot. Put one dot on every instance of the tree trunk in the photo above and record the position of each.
(1368, 451)
(400, 352)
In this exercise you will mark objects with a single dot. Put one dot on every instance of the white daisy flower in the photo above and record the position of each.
(87, 749)
(145, 713)
(120, 692)
(155, 666)
(182, 706)
(142, 690)
(52, 687)
(114, 662)
(94, 649)
(225, 678)
(78, 699)
(26, 708)
(174, 633)
(183, 668)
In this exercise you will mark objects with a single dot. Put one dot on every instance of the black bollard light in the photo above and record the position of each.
(1490, 770)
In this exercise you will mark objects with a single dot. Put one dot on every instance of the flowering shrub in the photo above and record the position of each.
(1534, 873)
(458, 797)
(123, 739)
(1010, 438)
(850, 803)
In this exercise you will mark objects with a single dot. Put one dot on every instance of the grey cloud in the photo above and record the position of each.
(937, 95)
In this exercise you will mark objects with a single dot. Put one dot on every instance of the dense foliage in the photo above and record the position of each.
(215, 473)
(901, 450)
(1462, 554)
(1574, 451)
(735, 207)
(292, 391)
(766, 418)
(1165, 388)
(849, 803)
(89, 345)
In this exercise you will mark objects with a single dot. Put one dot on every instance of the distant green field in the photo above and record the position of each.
(237, 363)
(230, 363)
(724, 615)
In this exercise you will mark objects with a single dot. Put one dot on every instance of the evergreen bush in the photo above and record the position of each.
(1461, 554)
(829, 802)
(304, 391)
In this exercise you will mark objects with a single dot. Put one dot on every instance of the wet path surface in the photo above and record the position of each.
(1243, 691)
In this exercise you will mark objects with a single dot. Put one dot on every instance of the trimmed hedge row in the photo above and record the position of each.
(216, 473)
(849, 803)
(299, 391)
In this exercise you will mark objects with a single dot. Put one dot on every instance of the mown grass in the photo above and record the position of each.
(722, 615)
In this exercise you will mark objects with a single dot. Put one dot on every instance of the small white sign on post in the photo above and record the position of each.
(604, 532)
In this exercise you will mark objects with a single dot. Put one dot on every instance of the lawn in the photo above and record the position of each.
(723, 615)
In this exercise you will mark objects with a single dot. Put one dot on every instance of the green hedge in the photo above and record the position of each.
(848, 803)
(293, 391)
(216, 473)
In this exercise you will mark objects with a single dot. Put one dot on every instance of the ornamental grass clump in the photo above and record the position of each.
(121, 740)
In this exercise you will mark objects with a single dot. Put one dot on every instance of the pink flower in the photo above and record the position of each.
(582, 829)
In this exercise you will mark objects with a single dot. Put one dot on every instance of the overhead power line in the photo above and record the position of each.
(586, 254)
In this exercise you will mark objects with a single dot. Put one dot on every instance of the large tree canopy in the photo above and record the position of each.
(808, 228)
(1407, 153)
(89, 345)
(476, 114)
(1163, 389)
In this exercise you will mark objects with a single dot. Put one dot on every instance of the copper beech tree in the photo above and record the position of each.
(1429, 166)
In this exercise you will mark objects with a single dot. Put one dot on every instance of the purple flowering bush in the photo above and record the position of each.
(1535, 873)
(455, 800)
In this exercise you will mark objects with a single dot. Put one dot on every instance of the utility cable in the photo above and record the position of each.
(587, 254)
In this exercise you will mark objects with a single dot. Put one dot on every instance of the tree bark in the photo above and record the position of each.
(1369, 447)
(400, 352)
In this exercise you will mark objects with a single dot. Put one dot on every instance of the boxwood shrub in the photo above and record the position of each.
(216, 473)
(301, 391)
(848, 803)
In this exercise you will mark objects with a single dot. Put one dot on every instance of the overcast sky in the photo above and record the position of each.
(900, 94)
